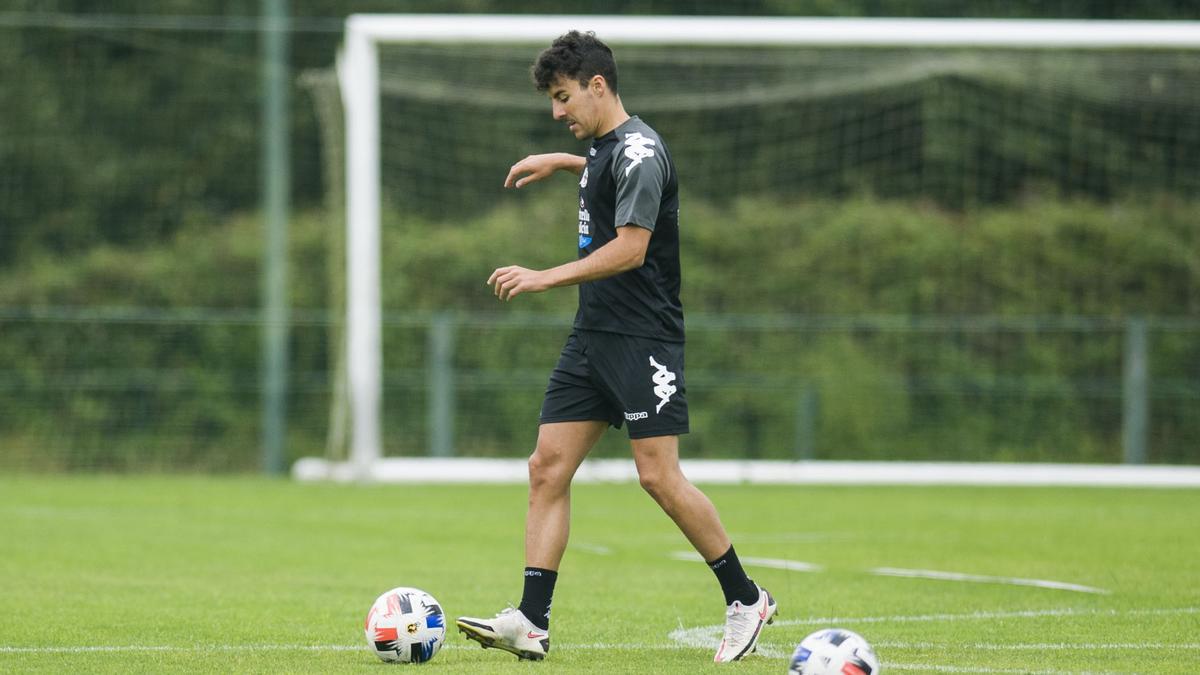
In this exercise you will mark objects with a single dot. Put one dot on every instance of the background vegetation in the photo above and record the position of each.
(130, 250)
(145, 388)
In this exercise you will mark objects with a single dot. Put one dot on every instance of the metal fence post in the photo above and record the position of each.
(276, 195)
(1136, 393)
(806, 421)
(440, 384)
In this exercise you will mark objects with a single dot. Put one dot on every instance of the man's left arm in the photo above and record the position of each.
(640, 170)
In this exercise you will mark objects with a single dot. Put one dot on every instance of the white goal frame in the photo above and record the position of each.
(358, 73)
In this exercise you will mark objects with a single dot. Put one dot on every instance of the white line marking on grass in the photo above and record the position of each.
(709, 637)
(929, 668)
(799, 566)
(600, 646)
(82, 649)
(775, 563)
(781, 564)
(592, 548)
(1043, 647)
(928, 618)
(1019, 614)
(685, 638)
(792, 537)
(979, 578)
(595, 646)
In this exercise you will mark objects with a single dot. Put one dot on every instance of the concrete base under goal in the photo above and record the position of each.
(467, 470)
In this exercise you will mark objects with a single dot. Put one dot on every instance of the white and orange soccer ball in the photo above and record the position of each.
(834, 651)
(406, 625)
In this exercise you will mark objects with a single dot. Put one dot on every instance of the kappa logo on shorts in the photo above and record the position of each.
(635, 416)
(663, 379)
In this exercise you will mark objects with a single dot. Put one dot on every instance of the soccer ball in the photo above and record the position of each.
(834, 651)
(406, 625)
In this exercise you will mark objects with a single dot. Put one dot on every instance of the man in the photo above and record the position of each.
(623, 362)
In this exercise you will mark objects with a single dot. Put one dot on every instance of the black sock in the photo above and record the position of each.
(539, 590)
(734, 582)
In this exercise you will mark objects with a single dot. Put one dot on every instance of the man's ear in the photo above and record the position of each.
(597, 85)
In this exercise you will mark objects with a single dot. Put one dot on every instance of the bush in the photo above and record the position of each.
(781, 298)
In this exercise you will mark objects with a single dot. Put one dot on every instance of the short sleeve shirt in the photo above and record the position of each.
(630, 181)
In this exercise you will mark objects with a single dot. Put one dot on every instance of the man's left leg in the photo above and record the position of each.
(657, 461)
(749, 606)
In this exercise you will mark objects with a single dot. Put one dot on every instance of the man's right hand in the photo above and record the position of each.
(539, 166)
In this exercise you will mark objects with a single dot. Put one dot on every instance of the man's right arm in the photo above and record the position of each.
(541, 166)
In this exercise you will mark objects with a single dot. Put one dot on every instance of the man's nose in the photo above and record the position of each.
(557, 111)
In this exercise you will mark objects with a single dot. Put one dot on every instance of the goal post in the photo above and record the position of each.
(358, 73)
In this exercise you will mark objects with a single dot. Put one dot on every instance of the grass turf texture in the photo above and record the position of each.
(253, 575)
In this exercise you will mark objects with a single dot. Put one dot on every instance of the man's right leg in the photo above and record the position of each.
(561, 448)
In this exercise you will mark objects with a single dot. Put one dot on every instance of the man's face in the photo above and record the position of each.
(576, 105)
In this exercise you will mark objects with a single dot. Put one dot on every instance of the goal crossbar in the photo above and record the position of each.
(358, 73)
(718, 30)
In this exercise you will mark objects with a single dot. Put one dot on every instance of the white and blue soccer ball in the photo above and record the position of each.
(406, 625)
(834, 651)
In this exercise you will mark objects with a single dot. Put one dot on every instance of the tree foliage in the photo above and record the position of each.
(772, 288)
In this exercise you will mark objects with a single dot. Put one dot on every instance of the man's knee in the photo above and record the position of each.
(651, 481)
(658, 466)
(660, 481)
(548, 469)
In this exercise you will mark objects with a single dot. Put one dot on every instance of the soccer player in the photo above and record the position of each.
(623, 361)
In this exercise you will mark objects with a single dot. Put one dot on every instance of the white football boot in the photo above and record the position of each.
(509, 630)
(743, 625)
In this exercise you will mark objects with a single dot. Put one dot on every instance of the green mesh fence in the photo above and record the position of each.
(900, 254)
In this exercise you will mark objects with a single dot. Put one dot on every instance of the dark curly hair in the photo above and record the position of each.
(578, 56)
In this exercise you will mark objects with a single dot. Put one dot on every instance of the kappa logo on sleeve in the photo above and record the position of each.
(637, 148)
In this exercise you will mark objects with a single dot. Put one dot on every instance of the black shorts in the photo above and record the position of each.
(617, 379)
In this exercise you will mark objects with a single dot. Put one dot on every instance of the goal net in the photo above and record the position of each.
(845, 305)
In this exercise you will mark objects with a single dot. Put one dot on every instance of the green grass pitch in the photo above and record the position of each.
(224, 575)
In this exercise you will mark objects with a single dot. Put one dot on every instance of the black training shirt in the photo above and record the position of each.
(630, 181)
